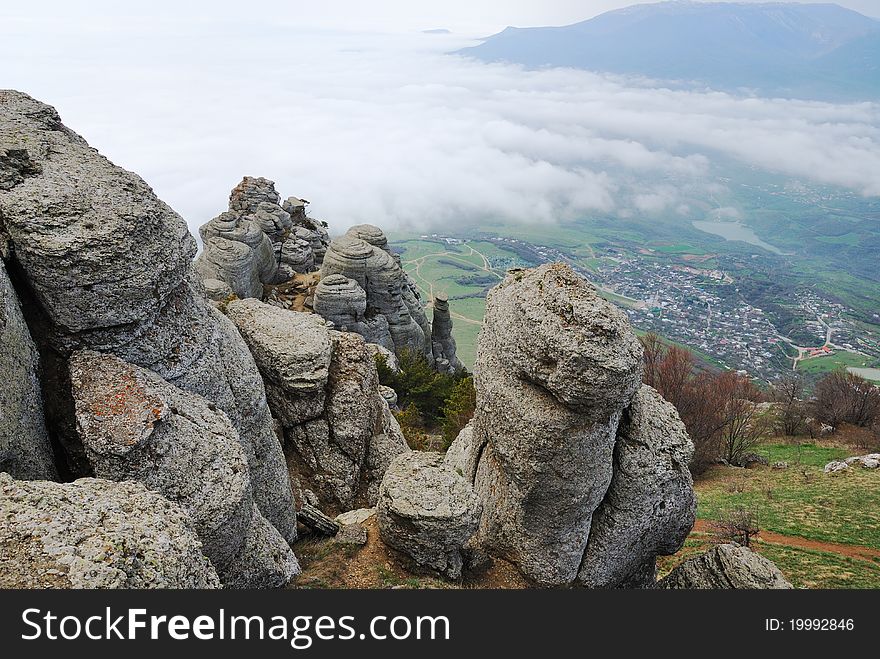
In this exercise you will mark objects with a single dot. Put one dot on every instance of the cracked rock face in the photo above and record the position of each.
(323, 387)
(94, 533)
(725, 567)
(136, 426)
(427, 511)
(25, 451)
(108, 267)
(567, 362)
(650, 505)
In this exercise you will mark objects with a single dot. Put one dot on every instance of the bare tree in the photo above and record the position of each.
(844, 397)
(737, 525)
(744, 423)
(791, 417)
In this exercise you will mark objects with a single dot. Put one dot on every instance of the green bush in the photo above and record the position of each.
(429, 399)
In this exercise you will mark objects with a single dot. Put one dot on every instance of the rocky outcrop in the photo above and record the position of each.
(650, 506)
(442, 341)
(25, 451)
(556, 367)
(362, 257)
(323, 387)
(580, 469)
(427, 511)
(724, 567)
(258, 242)
(95, 533)
(135, 426)
(102, 264)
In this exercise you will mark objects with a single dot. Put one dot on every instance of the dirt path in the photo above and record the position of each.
(853, 551)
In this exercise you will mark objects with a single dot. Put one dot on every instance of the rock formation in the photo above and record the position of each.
(257, 242)
(726, 566)
(105, 265)
(136, 426)
(323, 387)
(571, 494)
(568, 363)
(650, 506)
(94, 533)
(25, 451)
(442, 341)
(427, 511)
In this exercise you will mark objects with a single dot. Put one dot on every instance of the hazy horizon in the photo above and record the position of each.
(387, 128)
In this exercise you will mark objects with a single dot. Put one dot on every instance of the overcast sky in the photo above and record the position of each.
(386, 127)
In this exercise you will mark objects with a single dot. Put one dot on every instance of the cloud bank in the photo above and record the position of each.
(390, 130)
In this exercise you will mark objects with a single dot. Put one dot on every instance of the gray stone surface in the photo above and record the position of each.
(94, 533)
(25, 451)
(109, 268)
(726, 566)
(136, 426)
(292, 351)
(323, 387)
(650, 506)
(556, 367)
(443, 343)
(427, 511)
(358, 516)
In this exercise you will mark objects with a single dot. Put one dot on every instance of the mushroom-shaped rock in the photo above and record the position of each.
(556, 367)
(650, 505)
(427, 511)
(94, 533)
(25, 451)
(724, 567)
(371, 234)
(340, 300)
(292, 351)
(136, 426)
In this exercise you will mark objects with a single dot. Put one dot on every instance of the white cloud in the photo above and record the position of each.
(390, 130)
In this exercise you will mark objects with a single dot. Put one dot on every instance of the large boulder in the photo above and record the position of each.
(292, 351)
(94, 533)
(136, 426)
(724, 567)
(650, 506)
(108, 266)
(556, 367)
(25, 451)
(427, 511)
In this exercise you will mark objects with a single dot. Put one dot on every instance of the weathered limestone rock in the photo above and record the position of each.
(650, 506)
(358, 516)
(25, 451)
(869, 461)
(323, 387)
(108, 267)
(95, 533)
(374, 270)
(292, 351)
(443, 343)
(136, 426)
(427, 511)
(726, 566)
(556, 367)
(239, 253)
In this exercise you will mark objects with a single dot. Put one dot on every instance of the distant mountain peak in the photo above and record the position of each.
(779, 48)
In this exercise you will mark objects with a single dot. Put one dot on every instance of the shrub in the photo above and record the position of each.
(737, 525)
(842, 397)
(458, 409)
